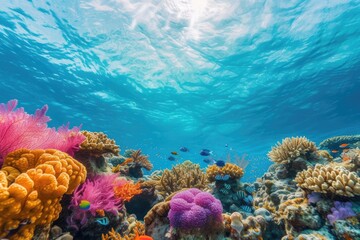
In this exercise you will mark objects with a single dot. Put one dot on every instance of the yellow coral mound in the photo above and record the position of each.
(329, 179)
(233, 170)
(290, 149)
(97, 143)
(32, 183)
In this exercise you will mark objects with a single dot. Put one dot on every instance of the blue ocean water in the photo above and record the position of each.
(159, 75)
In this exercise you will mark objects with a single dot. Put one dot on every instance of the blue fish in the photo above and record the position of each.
(103, 221)
(184, 149)
(171, 158)
(220, 163)
(208, 160)
(205, 152)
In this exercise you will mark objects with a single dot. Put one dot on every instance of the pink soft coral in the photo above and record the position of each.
(21, 130)
(99, 191)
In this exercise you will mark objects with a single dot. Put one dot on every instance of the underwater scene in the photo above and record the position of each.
(180, 120)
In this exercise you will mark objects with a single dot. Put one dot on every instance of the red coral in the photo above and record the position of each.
(19, 129)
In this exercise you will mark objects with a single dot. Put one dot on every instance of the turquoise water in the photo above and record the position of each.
(159, 75)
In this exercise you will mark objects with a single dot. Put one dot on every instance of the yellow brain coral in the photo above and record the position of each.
(233, 170)
(329, 179)
(97, 143)
(290, 149)
(32, 183)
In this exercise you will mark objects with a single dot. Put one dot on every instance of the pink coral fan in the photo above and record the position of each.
(193, 208)
(99, 191)
(21, 130)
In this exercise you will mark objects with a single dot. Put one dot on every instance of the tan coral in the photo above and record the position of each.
(140, 160)
(329, 179)
(325, 154)
(185, 175)
(233, 170)
(251, 228)
(290, 149)
(96, 144)
(34, 188)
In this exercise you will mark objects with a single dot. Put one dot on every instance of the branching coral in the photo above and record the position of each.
(290, 149)
(185, 175)
(329, 179)
(32, 183)
(136, 230)
(126, 191)
(138, 161)
(232, 170)
(21, 130)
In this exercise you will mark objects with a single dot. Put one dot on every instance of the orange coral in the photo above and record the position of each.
(127, 191)
(138, 229)
(233, 170)
(32, 183)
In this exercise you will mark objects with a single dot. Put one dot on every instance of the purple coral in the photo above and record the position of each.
(99, 191)
(340, 211)
(193, 208)
(19, 129)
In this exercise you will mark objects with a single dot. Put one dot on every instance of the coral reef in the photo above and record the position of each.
(21, 130)
(136, 163)
(334, 143)
(181, 176)
(94, 149)
(97, 144)
(233, 171)
(291, 149)
(126, 191)
(329, 179)
(30, 197)
(251, 228)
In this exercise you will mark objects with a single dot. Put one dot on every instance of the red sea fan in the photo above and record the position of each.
(19, 129)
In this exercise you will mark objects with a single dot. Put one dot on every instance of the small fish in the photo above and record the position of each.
(344, 145)
(171, 158)
(84, 205)
(174, 153)
(226, 145)
(208, 160)
(103, 221)
(346, 158)
(334, 151)
(220, 163)
(184, 149)
(205, 153)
